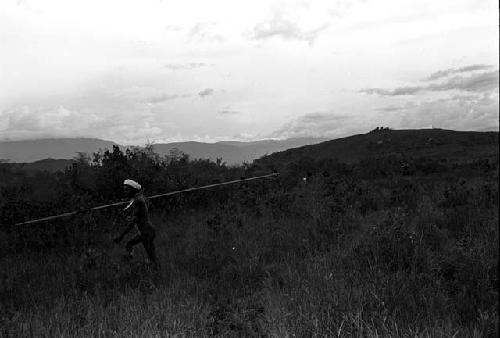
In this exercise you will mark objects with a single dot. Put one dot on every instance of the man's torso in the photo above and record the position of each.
(141, 214)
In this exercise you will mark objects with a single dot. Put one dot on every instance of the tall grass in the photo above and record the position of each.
(390, 257)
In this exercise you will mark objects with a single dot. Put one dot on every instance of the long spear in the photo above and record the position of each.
(67, 214)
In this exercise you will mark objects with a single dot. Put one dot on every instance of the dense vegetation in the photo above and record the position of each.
(384, 246)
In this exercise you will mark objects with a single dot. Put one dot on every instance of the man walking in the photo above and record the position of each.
(140, 218)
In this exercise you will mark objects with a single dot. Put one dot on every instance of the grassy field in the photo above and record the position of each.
(321, 259)
(390, 246)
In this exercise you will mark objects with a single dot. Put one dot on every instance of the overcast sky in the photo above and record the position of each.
(138, 71)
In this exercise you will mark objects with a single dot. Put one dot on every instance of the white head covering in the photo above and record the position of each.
(132, 183)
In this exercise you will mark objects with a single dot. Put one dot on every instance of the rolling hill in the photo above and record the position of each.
(56, 154)
(437, 143)
(64, 148)
(47, 164)
(232, 152)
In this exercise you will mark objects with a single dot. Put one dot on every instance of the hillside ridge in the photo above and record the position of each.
(402, 142)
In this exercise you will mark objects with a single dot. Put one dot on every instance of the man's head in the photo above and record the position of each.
(131, 187)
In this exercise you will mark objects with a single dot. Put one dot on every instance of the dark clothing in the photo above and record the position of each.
(140, 215)
(140, 218)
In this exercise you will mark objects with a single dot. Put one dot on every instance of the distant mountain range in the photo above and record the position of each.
(56, 154)
(434, 143)
(232, 152)
(64, 148)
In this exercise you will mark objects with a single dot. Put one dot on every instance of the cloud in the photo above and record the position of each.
(286, 29)
(245, 137)
(450, 71)
(205, 32)
(186, 66)
(389, 108)
(29, 122)
(128, 127)
(164, 97)
(173, 28)
(476, 82)
(131, 133)
(340, 8)
(228, 112)
(462, 112)
(392, 92)
(149, 95)
(392, 108)
(206, 92)
(317, 124)
(322, 117)
(457, 113)
(467, 100)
